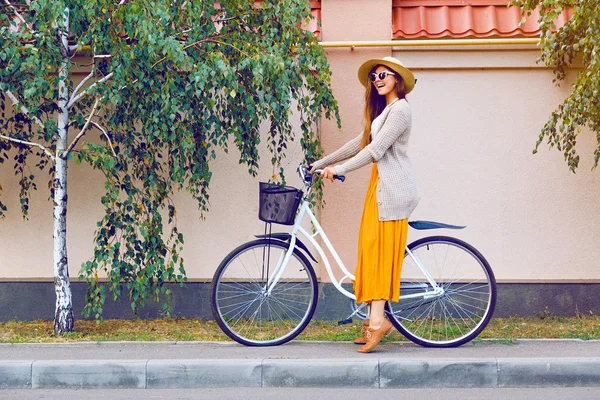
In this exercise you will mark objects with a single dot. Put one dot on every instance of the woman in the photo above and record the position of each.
(392, 194)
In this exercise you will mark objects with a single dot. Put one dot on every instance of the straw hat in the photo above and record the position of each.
(394, 64)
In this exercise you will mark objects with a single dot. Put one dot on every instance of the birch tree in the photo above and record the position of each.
(578, 39)
(167, 84)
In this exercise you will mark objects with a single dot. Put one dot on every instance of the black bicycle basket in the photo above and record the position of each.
(278, 204)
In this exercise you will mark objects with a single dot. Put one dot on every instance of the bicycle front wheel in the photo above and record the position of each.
(242, 304)
(465, 300)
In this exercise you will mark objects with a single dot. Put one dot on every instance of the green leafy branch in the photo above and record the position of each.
(578, 41)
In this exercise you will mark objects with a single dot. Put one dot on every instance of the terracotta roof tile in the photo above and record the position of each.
(460, 21)
(315, 22)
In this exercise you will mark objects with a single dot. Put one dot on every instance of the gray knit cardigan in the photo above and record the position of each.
(397, 190)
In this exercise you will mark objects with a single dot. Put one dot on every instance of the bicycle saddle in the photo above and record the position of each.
(422, 225)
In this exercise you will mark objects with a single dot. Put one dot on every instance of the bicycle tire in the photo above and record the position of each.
(466, 305)
(243, 309)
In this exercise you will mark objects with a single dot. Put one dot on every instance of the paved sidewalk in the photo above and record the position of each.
(487, 364)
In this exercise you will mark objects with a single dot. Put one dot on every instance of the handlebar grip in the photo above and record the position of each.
(340, 178)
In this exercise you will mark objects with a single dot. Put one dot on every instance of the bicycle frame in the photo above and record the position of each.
(297, 229)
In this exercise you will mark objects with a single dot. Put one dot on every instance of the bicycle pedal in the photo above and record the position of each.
(345, 321)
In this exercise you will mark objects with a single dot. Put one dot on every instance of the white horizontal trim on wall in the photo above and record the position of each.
(445, 58)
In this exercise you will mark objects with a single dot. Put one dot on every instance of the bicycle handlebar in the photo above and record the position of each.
(307, 177)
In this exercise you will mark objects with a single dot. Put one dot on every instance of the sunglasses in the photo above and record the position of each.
(382, 75)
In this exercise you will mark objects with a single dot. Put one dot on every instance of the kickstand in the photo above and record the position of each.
(358, 309)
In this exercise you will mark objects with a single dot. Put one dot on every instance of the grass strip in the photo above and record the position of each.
(183, 329)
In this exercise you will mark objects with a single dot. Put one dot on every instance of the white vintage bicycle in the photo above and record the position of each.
(265, 292)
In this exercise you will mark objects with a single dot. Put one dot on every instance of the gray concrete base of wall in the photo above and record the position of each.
(29, 301)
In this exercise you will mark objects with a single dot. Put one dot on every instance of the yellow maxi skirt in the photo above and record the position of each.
(381, 247)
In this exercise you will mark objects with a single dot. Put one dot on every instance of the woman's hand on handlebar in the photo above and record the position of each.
(328, 173)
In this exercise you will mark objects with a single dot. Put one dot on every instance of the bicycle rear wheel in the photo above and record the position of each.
(244, 309)
(465, 303)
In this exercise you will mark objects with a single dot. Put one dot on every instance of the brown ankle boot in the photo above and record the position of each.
(363, 338)
(375, 336)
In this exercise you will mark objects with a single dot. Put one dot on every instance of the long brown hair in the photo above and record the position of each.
(374, 103)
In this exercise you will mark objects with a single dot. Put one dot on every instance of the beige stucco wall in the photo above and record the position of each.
(476, 116)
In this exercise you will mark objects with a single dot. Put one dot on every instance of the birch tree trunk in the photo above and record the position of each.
(63, 319)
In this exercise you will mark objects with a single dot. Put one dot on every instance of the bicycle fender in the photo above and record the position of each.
(422, 225)
(285, 237)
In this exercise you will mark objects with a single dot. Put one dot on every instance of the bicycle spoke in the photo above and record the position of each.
(239, 287)
(463, 278)
(250, 319)
(408, 317)
(237, 306)
(245, 268)
(432, 314)
(475, 288)
(444, 310)
(461, 294)
(462, 305)
(245, 292)
(481, 289)
(458, 310)
(241, 312)
(243, 308)
(453, 320)
(423, 317)
(288, 286)
(284, 306)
